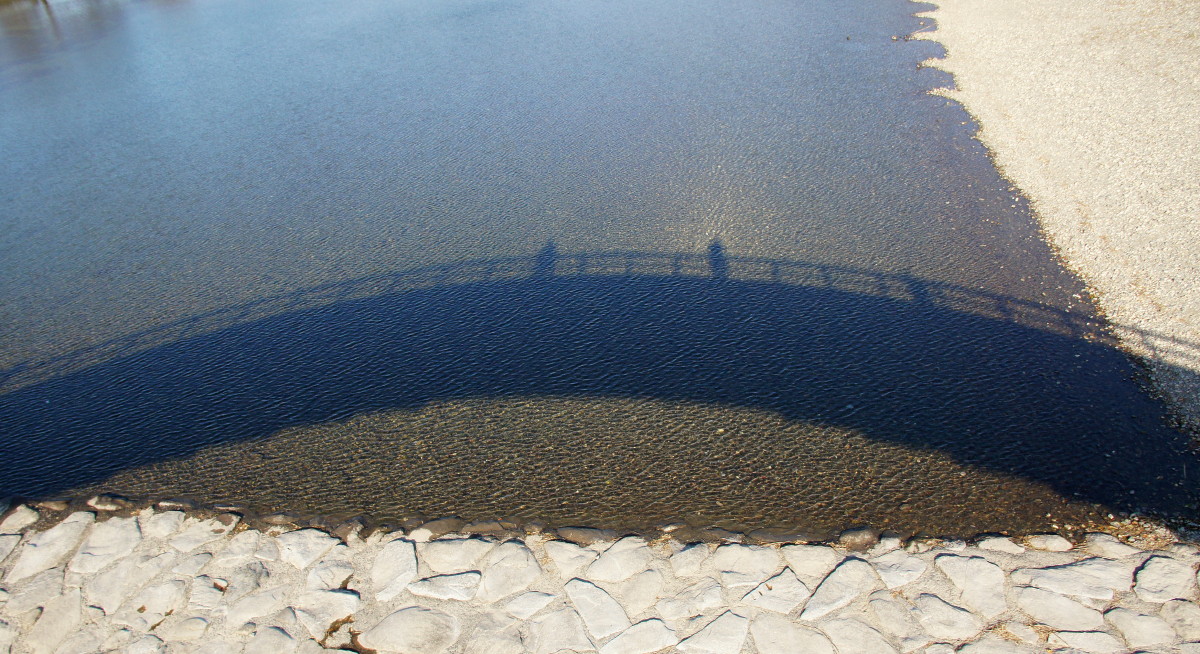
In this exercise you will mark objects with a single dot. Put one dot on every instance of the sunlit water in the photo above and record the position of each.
(293, 254)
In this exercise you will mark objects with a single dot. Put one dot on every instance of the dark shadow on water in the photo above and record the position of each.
(1004, 385)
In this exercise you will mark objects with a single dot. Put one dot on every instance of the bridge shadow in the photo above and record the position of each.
(1001, 384)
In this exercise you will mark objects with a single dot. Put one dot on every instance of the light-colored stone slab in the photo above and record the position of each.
(146, 609)
(255, 605)
(622, 560)
(240, 549)
(559, 631)
(1048, 543)
(162, 524)
(781, 593)
(1056, 611)
(945, 621)
(8, 543)
(744, 566)
(642, 638)
(331, 572)
(899, 620)
(1162, 579)
(688, 561)
(107, 542)
(20, 518)
(461, 586)
(1000, 544)
(852, 636)
(899, 568)
(852, 579)
(510, 569)
(35, 592)
(568, 558)
(110, 588)
(1184, 618)
(454, 554)
(640, 591)
(1139, 629)
(50, 548)
(303, 547)
(270, 640)
(197, 532)
(523, 606)
(980, 582)
(696, 599)
(394, 569)
(415, 630)
(602, 614)
(59, 619)
(1108, 546)
(810, 561)
(183, 631)
(775, 634)
(1093, 642)
(724, 635)
(317, 610)
(996, 645)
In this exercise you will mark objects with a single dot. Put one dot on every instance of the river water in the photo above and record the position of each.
(603, 262)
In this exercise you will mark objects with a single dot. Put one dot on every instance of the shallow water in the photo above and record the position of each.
(287, 254)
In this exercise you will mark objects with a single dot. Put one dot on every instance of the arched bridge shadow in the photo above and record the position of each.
(1001, 384)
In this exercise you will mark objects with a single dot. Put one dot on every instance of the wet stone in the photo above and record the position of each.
(586, 535)
(436, 529)
(859, 540)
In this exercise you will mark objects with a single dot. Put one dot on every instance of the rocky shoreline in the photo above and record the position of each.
(159, 579)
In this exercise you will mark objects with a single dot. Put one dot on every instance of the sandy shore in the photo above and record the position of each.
(1093, 110)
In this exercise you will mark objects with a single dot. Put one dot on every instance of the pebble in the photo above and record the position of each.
(642, 638)
(1049, 543)
(898, 568)
(781, 593)
(724, 635)
(1162, 578)
(602, 614)
(462, 586)
(1056, 611)
(415, 630)
(51, 547)
(980, 582)
(850, 580)
(621, 561)
(775, 634)
(394, 568)
(859, 540)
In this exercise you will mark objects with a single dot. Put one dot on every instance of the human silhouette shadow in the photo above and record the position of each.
(1010, 386)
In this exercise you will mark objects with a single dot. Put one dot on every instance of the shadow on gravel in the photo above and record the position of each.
(1010, 386)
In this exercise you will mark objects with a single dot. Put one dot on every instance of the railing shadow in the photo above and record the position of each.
(1008, 385)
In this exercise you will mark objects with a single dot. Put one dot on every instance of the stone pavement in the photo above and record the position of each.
(166, 581)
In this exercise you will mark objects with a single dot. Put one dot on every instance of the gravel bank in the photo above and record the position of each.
(1093, 110)
(166, 581)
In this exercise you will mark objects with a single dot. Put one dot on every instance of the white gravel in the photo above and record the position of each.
(1092, 108)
